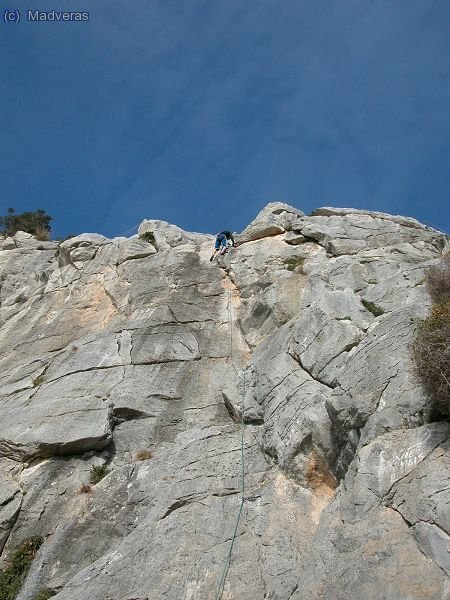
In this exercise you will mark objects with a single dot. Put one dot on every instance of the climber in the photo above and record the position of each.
(223, 240)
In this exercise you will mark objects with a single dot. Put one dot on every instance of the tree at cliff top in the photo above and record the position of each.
(35, 222)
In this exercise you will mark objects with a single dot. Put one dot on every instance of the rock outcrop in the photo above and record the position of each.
(140, 355)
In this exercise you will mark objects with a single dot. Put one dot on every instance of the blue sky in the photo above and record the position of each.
(200, 112)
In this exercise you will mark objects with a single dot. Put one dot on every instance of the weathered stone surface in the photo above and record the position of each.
(263, 304)
(297, 428)
(165, 343)
(168, 236)
(8, 244)
(65, 418)
(85, 240)
(10, 503)
(349, 231)
(406, 221)
(275, 218)
(363, 528)
(25, 240)
(336, 315)
(143, 356)
(294, 238)
(134, 248)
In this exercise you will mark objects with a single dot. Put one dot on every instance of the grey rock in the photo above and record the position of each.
(291, 351)
(64, 416)
(405, 221)
(25, 240)
(297, 428)
(8, 244)
(333, 324)
(134, 248)
(363, 529)
(85, 240)
(10, 503)
(294, 238)
(274, 219)
(164, 344)
(434, 543)
(352, 231)
(81, 248)
(170, 236)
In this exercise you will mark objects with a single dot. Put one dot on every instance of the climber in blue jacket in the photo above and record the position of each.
(222, 240)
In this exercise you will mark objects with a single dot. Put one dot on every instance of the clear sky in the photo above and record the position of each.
(200, 112)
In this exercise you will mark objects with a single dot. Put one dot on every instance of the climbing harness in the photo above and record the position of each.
(224, 250)
(243, 497)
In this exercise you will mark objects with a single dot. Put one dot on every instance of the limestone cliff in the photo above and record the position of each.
(142, 355)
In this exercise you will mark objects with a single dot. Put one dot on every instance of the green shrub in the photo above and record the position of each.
(97, 473)
(36, 222)
(148, 236)
(45, 594)
(16, 570)
(294, 262)
(373, 308)
(21, 298)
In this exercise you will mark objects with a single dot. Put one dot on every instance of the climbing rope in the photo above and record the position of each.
(241, 504)
(128, 231)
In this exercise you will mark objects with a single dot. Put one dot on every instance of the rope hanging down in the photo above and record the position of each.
(241, 504)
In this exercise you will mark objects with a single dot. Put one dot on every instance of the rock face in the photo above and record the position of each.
(141, 355)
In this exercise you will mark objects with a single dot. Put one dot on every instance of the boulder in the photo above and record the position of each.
(163, 235)
(8, 244)
(274, 219)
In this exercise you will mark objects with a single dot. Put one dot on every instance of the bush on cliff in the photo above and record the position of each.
(16, 570)
(44, 595)
(431, 345)
(35, 222)
(97, 473)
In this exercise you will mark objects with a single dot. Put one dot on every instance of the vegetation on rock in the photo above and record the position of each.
(35, 222)
(373, 308)
(13, 576)
(142, 455)
(148, 236)
(44, 594)
(438, 282)
(39, 380)
(97, 473)
(431, 345)
(85, 488)
(294, 262)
